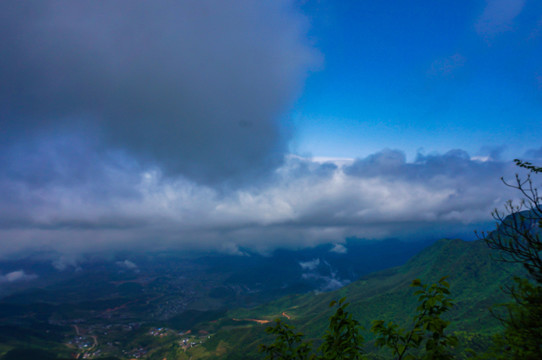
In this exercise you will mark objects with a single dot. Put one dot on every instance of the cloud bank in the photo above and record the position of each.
(304, 203)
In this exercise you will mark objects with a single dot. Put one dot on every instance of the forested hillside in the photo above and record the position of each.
(476, 282)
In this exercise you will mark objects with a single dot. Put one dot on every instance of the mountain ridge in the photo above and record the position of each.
(476, 282)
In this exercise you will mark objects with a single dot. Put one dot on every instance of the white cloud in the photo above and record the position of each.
(309, 265)
(328, 281)
(339, 249)
(304, 203)
(127, 264)
(17, 276)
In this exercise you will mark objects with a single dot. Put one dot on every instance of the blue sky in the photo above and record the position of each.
(422, 76)
(206, 124)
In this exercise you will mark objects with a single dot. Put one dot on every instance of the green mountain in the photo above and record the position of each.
(116, 306)
(102, 311)
(476, 282)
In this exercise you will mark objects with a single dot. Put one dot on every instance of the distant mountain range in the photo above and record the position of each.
(214, 306)
(120, 300)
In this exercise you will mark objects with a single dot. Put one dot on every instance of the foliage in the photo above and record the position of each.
(522, 336)
(343, 340)
(288, 345)
(428, 327)
(527, 165)
(517, 239)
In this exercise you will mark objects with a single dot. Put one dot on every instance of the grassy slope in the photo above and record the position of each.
(475, 280)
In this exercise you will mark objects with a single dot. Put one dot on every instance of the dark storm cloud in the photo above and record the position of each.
(197, 86)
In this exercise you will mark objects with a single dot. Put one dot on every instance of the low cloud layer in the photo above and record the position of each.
(118, 206)
(323, 274)
(309, 265)
(197, 87)
(16, 276)
(128, 265)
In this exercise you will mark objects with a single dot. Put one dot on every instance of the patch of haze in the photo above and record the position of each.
(446, 67)
(498, 16)
(328, 281)
(128, 265)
